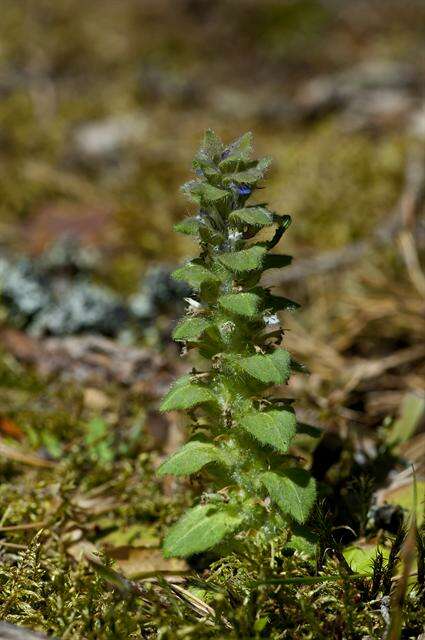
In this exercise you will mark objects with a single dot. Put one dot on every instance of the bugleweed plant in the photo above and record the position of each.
(240, 430)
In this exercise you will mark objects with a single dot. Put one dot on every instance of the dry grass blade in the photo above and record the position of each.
(198, 605)
(398, 595)
(411, 259)
(23, 527)
(12, 453)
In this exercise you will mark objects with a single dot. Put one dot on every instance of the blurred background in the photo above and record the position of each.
(102, 106)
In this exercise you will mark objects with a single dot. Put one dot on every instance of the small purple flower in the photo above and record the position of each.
(225, 154)
(199, 172)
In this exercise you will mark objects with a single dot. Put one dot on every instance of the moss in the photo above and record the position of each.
(327, 180)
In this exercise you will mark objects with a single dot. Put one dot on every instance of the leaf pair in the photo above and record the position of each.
(204, 526)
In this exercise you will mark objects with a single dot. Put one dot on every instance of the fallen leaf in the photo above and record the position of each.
(83, 549)
(360, 557)
(95, 399)
(138, 562)
(11, 429)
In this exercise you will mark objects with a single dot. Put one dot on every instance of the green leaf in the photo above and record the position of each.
(188, 226)
(199, 530)
(275, 428)
(361, 557)
(256, 216)
(242, 304)
(281, 359)
(260, 624)
(303, 540)
(190, 458)
(236, 154)
(190, 329)
(194, 274)
(211, 145)
(251, 175)
(184, 395)
(270, 369)
(264, 164)
(294, 491)
(245, 260)
(203, 193)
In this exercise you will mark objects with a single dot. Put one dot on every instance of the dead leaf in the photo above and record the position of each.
(83, 549)
(95, 399)
(11, 429)
(138, 562)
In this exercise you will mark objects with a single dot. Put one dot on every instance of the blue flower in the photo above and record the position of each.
(244, 190)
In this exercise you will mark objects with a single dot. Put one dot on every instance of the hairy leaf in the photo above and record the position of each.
(194, 274)
(294, 491)
(198, 530)
(186, 395)
(243, 304)
(270, 369)
(190, 458)
(245, 260)
(211, 145)
(251, 175)
(240, 149)
(203, 193)
(190, 329)
(256, 216)
(275, 428)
